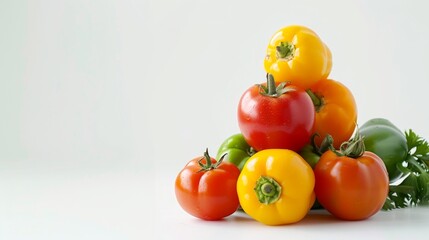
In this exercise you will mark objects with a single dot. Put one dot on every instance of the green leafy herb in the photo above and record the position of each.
(414, 189)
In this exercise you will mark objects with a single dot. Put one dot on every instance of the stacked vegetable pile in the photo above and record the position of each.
(299, 142)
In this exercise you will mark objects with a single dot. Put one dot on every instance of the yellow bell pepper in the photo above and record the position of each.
(296, 54)
(276, 187)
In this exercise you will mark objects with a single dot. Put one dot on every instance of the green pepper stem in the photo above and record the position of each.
(267, 189)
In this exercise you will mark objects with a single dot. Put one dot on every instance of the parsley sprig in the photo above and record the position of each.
(414, 188)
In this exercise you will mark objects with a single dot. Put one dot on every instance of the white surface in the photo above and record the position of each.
(124, 205)
(102, 102)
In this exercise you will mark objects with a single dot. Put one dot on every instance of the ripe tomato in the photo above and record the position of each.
(352, 186)
(336, 111)
(206, 188)
(274, 115)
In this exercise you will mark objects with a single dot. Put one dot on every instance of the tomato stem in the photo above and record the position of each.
(208, 165)
(271, 85)
(327, 144)
(353, 148)
(267, 190)
(271, 90)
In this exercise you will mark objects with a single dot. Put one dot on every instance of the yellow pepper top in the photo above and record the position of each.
(276, 187)
(297, 55)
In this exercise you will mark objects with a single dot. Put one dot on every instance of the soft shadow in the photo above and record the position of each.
(320, 217)
(240, 216)
(313, 217)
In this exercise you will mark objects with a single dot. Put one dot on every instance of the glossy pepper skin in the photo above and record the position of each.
(336, 111)
(236, 150)
(383, 138)
(297, 55)
(276, 187)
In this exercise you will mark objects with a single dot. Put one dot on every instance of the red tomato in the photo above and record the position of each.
(273, 116)
(349, 188)
(206, 188)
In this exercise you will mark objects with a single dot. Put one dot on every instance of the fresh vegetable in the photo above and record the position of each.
(336, 111)
(388, 142)
(312, 152)
(206, 188)
(297, 54)
(414, 189)
(237, 150)
(276, 116)
(310, 155)
(351, 183)
(406, 156)
(275, 187)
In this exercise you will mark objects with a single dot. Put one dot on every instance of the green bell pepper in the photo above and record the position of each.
(237, 150)
(388, 142)
(312, 153)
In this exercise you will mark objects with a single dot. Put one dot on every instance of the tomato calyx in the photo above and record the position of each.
(318, 101)
(285, 51)
(354, 148)
(327, 144)
(271, 90)
(208, 165)
(267, 189)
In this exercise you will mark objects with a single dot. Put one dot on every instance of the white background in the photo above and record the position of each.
(103, 102)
